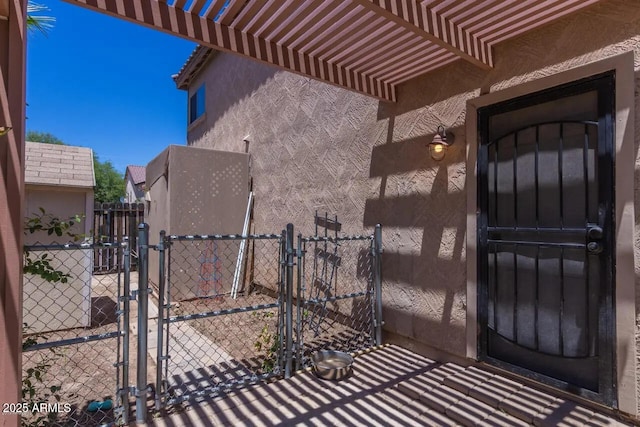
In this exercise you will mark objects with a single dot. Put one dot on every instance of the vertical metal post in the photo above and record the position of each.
(126, 310)
(282, 298)
(289, 301)
(299, 312)
(161, 311)
(143, 314)
(167, 307)
(377, 281)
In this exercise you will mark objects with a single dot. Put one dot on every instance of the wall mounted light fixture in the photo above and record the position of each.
(441, 141)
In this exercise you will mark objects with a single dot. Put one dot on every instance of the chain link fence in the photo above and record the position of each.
(72, 338)
(229, 310)
(221, 313)
(335, 300)
(235, 312)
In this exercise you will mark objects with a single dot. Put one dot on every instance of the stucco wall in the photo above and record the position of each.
(315, 146)
(130, 193)
(63, 203)
(195, 191)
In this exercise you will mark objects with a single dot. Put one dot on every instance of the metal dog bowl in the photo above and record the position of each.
(331, 364)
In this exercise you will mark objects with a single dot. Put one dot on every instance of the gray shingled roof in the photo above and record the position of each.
(138, 173)
(64, 165)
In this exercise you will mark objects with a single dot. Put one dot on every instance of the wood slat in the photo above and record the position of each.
(321, 16)
(390, 41)
(284, 11)
(323, 19)
(524, 24)
(401, 63)
(383, 59)
(365, 27)
(196, 6)
(247, 13)
(380, 68)
(231, 11)
(368, 46)
(214, 8)
(270, 12)
(498, 15)
(423, 21)
(330, 29)
(221, 37)
(304, 12)
(421, 66)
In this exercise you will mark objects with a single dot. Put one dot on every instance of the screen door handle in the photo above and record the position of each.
(594, 232)
(594, 235)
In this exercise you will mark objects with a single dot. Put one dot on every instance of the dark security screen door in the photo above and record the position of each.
(545, 169)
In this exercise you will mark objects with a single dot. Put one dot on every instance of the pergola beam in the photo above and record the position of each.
(423, 21)
(4, 9)
(161, 16)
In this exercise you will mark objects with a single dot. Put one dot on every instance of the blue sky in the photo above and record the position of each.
(100, 82)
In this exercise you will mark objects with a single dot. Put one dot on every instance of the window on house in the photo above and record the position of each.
(196, 104)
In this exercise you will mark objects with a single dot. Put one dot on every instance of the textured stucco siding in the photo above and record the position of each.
(130, 193)
(62, 202)
(315, 146)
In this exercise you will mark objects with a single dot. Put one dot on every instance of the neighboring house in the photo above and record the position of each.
(517, 248)
(59, 179)
(135, 177)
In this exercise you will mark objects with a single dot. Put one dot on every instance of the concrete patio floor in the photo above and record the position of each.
(391, 386)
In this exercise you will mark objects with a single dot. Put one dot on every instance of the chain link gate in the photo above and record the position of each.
(220, 314)
(234, 310)
(73, 319)
(338, 300)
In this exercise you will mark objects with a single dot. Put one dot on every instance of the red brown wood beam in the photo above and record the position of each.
(196, 6)
(231, 11)
(159, 15)
(214, 8)
(4, 9)
(179, 3)
(423, 21)
(12, 115)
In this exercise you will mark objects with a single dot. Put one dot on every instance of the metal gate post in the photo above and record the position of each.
(143, 313)
(126, 310)
(299, 313)
(377, 281)
(160, 358)
(282, 264)
(290, 253)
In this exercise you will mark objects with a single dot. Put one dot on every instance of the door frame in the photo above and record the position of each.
(604, 162)
(624, 282)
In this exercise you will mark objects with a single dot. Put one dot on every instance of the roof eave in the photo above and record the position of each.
(193, 65)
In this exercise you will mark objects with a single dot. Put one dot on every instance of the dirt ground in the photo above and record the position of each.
(250, 337)
(244, 335)
(84, 372)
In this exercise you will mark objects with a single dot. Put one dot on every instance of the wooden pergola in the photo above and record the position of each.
(369, 46)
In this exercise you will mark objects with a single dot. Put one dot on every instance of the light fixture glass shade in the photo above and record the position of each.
(438, 146)
(437, 150)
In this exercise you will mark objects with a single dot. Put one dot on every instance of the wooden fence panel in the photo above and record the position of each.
(112, 223)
